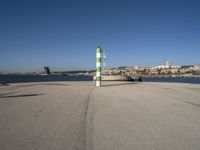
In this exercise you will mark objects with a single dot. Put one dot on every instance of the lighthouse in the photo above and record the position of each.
(98, 66)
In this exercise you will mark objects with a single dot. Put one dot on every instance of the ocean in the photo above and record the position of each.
(49, 78)
(41, 78)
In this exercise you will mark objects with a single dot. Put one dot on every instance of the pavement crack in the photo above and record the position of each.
(88, 100)
(88, 122)
(194, 104)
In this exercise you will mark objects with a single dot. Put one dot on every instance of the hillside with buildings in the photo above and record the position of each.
(167, 70)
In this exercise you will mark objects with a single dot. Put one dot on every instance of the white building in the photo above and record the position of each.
(166, 66)
(196, 67)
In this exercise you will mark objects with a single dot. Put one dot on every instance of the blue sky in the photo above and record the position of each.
(64, 34)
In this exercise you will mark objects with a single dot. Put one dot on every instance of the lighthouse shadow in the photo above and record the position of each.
(118, 84)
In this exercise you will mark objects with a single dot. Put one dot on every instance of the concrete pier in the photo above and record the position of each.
(80, 116)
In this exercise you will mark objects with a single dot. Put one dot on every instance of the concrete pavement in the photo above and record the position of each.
(146, 116)
(116, 116)
(44, 116)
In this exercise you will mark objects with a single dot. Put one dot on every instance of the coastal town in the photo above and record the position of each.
(166, 70)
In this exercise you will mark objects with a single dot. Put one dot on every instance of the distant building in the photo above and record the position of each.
(196, 67)
(168, 65)
(47, 70)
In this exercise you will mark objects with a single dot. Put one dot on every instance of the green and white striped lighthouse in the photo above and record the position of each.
(98, 66)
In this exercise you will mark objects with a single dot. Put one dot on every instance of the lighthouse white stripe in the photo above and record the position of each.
(98, 55)
(98, 64)
(98, 83)
(98, 74)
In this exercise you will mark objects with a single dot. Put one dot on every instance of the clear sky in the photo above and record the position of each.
(64, 34)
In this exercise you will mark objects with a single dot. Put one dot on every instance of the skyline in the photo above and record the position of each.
(64, 35)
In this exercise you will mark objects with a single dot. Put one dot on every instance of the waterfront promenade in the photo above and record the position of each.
(116, 116)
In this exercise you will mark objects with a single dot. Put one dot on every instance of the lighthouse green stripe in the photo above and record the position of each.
(98, 78)
(98, 60)
(98, 50)
(98, 69)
